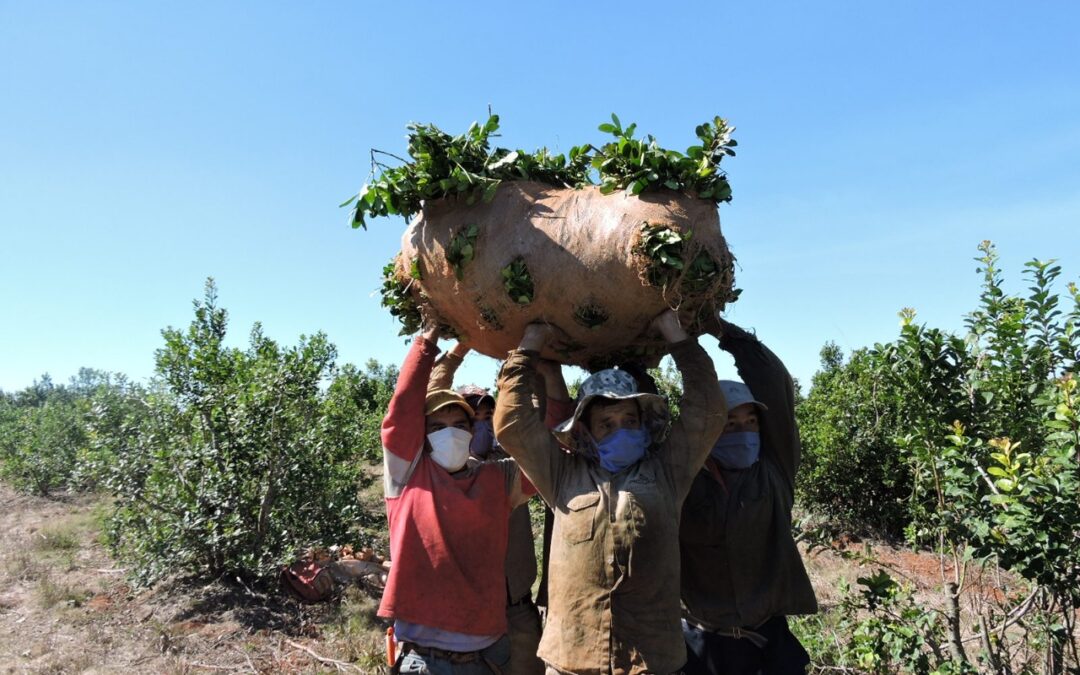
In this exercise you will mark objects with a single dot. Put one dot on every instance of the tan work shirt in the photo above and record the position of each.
(614, 564)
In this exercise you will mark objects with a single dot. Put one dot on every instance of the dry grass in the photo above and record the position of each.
(65, 608)
(355, 632)
(61, 537)
(50, 592)
(21, 564)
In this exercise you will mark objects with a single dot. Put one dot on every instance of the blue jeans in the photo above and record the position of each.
(497, 654)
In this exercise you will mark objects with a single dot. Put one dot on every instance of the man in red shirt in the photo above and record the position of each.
(448, 526)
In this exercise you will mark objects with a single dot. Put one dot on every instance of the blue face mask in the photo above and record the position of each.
(737, 450)
(622, 448)
(483, 439)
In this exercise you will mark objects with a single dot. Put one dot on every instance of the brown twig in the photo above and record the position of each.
(340, 665)
(196, 664)
(248, 659)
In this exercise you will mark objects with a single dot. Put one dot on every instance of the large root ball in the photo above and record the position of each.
(599, 267)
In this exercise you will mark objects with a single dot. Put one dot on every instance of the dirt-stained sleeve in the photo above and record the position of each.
(557, 411)
(518, 487)
(442, 375)
(769, 381)
(702, 414)
(520, 429)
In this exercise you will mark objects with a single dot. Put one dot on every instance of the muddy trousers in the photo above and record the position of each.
(552, 670)
(523, 628)
(769, 649)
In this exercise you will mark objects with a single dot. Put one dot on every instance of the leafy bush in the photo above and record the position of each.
(230, 467)
(39, 445)
(885, 630)
(354, 408)
(44, 438)
(993, 445)
(988, 426)
(852, 467)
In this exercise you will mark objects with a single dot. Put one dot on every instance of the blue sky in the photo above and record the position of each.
(147, 146)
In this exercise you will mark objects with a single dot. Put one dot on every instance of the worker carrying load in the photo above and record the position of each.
(613, 588)
(448, 521)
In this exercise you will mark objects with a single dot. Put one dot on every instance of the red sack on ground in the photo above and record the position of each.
(308, 580)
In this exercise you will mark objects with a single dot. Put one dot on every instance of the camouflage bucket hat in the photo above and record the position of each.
(616, 385)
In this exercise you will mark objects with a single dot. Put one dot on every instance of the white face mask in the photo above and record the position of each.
(450, 447)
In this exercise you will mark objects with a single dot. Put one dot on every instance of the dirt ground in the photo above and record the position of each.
(66, 608)
(927, 573)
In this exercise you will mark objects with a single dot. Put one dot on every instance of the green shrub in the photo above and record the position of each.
(881, 628)
(48, 432)
(852, 466)
(39, 444)
(354, 407)
(230, 465)
(988, 428)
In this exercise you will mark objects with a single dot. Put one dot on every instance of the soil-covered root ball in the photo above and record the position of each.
(599, 267)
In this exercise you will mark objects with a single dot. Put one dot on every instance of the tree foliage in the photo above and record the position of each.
(986, 426)
(441, 165)
(852, 468)
(239, 457)
(45, 440)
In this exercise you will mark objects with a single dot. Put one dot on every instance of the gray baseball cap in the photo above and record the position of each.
(736, 394)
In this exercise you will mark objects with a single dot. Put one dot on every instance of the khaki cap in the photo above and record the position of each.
(440, 398)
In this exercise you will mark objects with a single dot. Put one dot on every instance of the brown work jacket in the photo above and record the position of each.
(740, 565)
(613, 595)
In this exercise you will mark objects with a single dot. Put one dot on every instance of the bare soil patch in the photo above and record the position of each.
(65, 607)
(926, 572)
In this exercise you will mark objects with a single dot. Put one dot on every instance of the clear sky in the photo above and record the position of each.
(145, 146)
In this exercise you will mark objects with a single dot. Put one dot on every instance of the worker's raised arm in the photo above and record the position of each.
(702, 411)
(519, 424)
(403, 429)
(442, 375)
(769, 381)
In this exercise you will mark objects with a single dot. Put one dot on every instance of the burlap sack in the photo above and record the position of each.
(579, 247)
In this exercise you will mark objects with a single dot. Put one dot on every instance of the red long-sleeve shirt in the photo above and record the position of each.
(446, 531)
